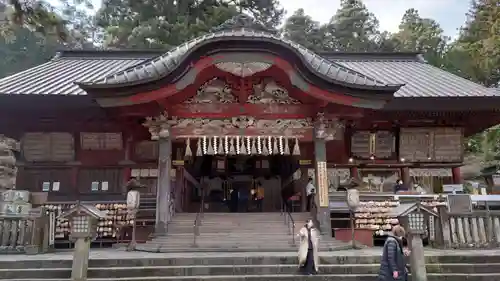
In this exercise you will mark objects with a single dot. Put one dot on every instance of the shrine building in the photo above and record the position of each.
(232, 110)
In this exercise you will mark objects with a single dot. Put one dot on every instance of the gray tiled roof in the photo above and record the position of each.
(164, 64)
(58, 76)
(420, 79)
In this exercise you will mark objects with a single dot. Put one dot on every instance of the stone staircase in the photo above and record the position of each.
(343, 266)
(232, 232)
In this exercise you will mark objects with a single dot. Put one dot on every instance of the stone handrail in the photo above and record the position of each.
(24, 234)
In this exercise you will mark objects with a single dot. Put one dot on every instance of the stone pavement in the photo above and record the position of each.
(121, 254)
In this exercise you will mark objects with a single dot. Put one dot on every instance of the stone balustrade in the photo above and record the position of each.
(24, 234)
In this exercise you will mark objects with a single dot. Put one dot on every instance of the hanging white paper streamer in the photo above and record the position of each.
(249, 145)
(226, 145)
(232, 150)
(188, 152)
(210, 148)
(254, 147)
(270, 145)
(259, 146)
(204, 145)
(198, 148)
(280, 143)
(275, 146)
(237, 145)
(220, 150)
(287, 147)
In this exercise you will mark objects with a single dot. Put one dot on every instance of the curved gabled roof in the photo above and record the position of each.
(243, 28)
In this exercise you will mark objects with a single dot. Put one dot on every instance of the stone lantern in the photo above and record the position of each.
(413, 217)
(352, 200)
(83, 221)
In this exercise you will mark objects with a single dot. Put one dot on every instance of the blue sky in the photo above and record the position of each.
(449, 13)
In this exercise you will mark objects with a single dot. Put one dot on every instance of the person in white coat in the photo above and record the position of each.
(308, 249)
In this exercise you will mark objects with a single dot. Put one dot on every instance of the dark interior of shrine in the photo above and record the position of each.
(237, 183)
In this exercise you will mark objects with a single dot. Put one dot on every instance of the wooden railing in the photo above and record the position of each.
(24, 234)
(476, 229)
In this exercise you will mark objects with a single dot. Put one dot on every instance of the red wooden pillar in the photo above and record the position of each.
(127, 152)
(456, 175)
(354, 172)
(405, 177)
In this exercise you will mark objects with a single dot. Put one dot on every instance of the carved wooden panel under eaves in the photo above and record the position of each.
(101, 141)
(415, 144)
(57, 146)
(113, 141)
(448, 146)
(360, 144)
(431, 144)
(36, 147)
(146, 150)
(62, 147)
(384, 144)
(90, 141)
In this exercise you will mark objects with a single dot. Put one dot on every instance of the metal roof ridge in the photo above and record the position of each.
(242, 32)
(107, 54)
(374, 56)
(361, 74)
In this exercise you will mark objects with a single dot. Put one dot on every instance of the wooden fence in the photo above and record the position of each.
(24, 234)
(476, 229)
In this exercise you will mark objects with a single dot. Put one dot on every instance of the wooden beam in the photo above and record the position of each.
(270, 111)
(304, 134)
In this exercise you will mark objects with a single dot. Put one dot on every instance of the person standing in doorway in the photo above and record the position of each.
(393, 262)
(399, 186)
(310, 192)
(259, 197)
(308, 249)
(243, 196)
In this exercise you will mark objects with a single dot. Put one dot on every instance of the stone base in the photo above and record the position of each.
(344, 266)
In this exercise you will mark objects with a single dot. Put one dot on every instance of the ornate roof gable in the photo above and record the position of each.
(245, 28)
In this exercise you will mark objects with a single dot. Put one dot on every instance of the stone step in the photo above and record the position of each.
(188, 247)
(224, 270)
(230, 222)
(272, 233)
(221, 229)
(287, 277)
(249, 239)
(230, 259)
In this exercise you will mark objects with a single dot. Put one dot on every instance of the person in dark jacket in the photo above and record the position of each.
(393, 262)
(399, 186)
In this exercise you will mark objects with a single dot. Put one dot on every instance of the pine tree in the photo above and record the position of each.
(302, 29)
(480, 41)
(353, 28)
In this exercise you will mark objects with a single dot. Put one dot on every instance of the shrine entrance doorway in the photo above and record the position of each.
(239, 183)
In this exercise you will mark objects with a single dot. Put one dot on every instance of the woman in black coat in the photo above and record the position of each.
(393, 262)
